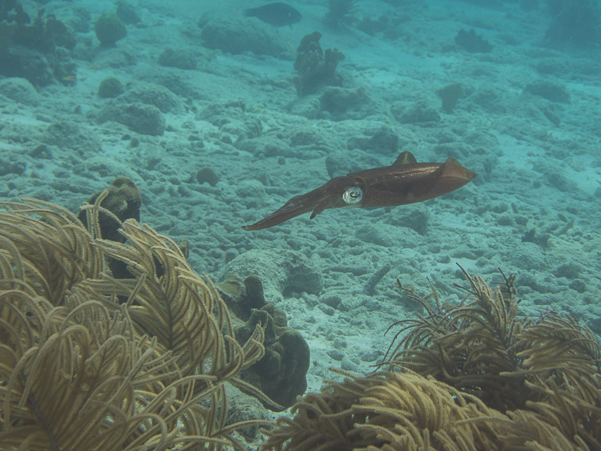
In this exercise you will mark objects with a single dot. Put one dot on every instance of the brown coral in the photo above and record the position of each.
(281, 373)
(123, 200)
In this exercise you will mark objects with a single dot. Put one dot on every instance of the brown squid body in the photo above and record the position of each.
(404, 182)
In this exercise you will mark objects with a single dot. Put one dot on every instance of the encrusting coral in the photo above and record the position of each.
(472, 376)
(80, 370)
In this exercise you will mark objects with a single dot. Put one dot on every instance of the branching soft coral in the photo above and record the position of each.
(467, 376)
(81, 370)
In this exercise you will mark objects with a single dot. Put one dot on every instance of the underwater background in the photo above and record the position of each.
(220, 113)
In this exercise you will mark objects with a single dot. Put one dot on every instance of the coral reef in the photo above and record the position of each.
(281, 373)
(122, 201)
(472, 42)
(468, 376)
(11, 17)
(109, 29)
(44, 34)
(315, 68)
(81, 371)
(277, 14)
(38, 51)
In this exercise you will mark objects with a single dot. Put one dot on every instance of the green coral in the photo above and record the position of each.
(109, 29)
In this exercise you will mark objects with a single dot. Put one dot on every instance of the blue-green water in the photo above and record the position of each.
(202, 85)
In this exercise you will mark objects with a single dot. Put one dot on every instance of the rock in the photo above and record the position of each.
(415, 113)
(127, 13)
(30, 64)
(239, 34)
(243, 407)
(569, 270)
(528, 256)
(279, 270)
(348, 103)
(553, 91)
(116, 58)
(20, 90)
(153, 94)
(389, 236)
(308, 107)
(180, 58)
(472, 42)
(70, 136)
(11, 167)
(383, 140)
(139, 117)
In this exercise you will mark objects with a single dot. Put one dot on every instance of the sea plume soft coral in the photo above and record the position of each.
(440, 390)
(79, 370)
(341, 12)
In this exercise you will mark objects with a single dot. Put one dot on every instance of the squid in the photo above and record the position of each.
(404, 182)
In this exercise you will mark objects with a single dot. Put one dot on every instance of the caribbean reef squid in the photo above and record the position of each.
(404, 182)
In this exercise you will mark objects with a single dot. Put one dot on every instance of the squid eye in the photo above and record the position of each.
(352, 195)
